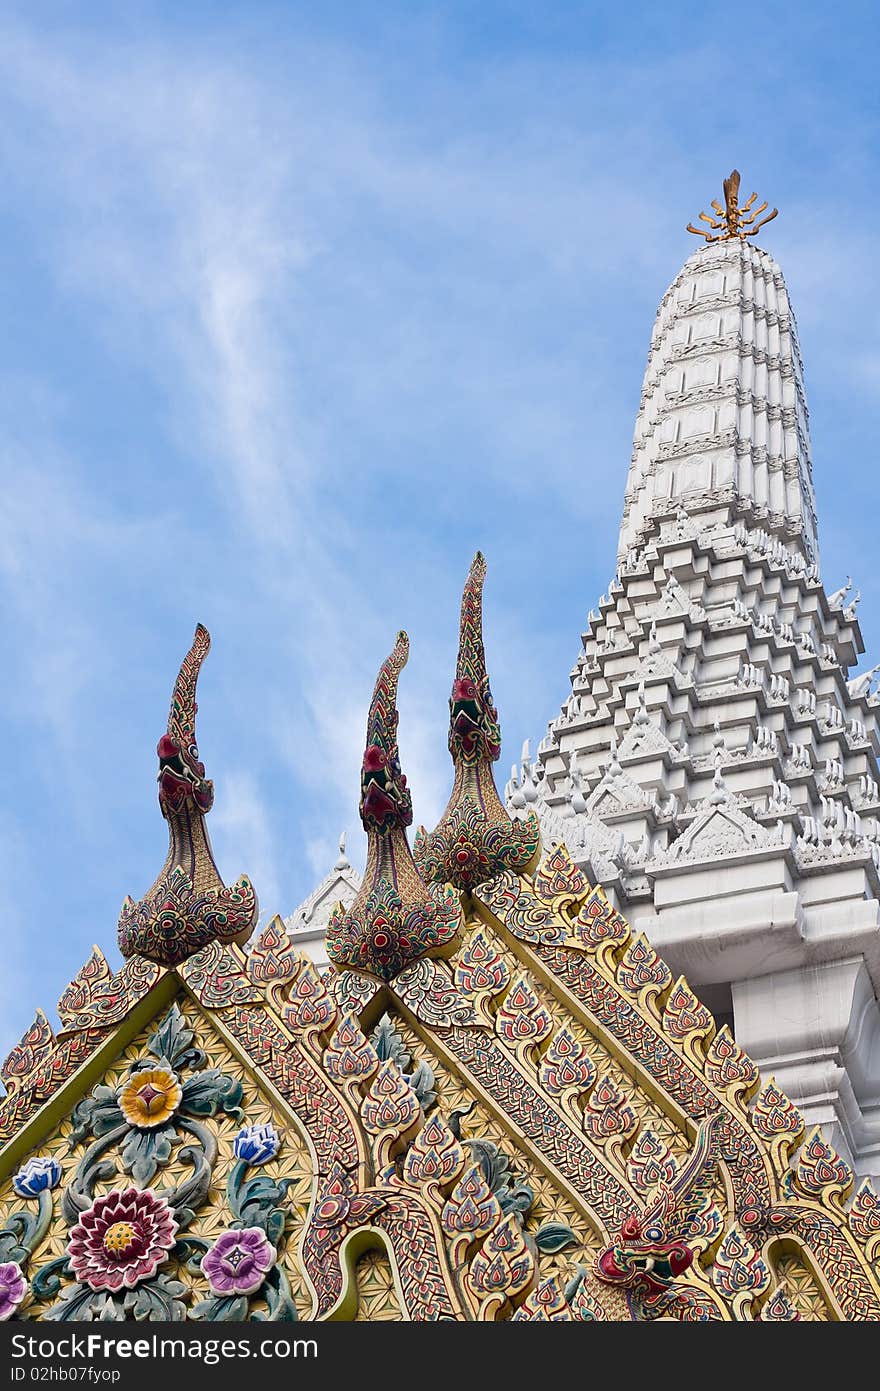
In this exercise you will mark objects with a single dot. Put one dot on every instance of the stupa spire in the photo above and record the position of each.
(188, 906)
(723, 426)
(396, 918)
(475, 838)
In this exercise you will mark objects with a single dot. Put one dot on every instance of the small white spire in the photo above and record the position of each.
(576, 791)
(342, 862)
(861, 685)
(641, 716)
(614, 769)
(850, 610)
(719, 793)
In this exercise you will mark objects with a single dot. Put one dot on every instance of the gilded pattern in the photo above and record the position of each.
(803, 1292)
(531, 1083)
(377, 1299)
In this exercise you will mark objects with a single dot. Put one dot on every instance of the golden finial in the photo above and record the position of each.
(732, 220)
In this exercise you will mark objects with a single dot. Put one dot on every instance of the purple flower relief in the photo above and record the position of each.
(256, 1143)
(237, 1263)
(37, 1175)
(12, 1288)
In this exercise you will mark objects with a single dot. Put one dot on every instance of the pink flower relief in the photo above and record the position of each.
(121, 1239)
(12, 1289)
(238, 1261)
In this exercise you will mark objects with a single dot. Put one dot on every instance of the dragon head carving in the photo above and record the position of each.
(181, 771)
(652, 1248)
(385, 797)
(474, 731)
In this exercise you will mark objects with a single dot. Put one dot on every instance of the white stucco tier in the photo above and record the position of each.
(723, 415)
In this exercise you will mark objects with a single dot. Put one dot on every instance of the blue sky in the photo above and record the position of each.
(302, 303)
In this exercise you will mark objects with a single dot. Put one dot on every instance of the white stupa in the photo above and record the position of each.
(715, 766)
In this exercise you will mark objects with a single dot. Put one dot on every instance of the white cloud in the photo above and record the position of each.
(243, 839)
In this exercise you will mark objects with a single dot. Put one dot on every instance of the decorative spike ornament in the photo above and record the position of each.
(732, 221)
(385, 799)
(475, 839)
(395, 918)
(188, 906)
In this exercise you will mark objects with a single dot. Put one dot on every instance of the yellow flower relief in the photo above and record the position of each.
(150, 1098)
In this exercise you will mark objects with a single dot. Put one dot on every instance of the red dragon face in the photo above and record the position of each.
(385, 797)
(646, 1250)
(181, 776)
(473, 727)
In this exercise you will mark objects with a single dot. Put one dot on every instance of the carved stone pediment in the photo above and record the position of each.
(618, 793)
(722, 829)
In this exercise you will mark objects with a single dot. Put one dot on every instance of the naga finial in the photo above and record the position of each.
(732, 221)
(396, 918)
(475, 838)
(181, 773)
(385, 799)
(188, 906)
(474, 731)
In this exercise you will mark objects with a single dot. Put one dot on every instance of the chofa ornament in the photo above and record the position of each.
(188, 906)
(475, 839)
(396, 918)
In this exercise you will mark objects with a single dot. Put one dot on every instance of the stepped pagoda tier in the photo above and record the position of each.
(307, 924)
(715, 766)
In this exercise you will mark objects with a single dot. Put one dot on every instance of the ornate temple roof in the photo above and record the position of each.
(499, 1103)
